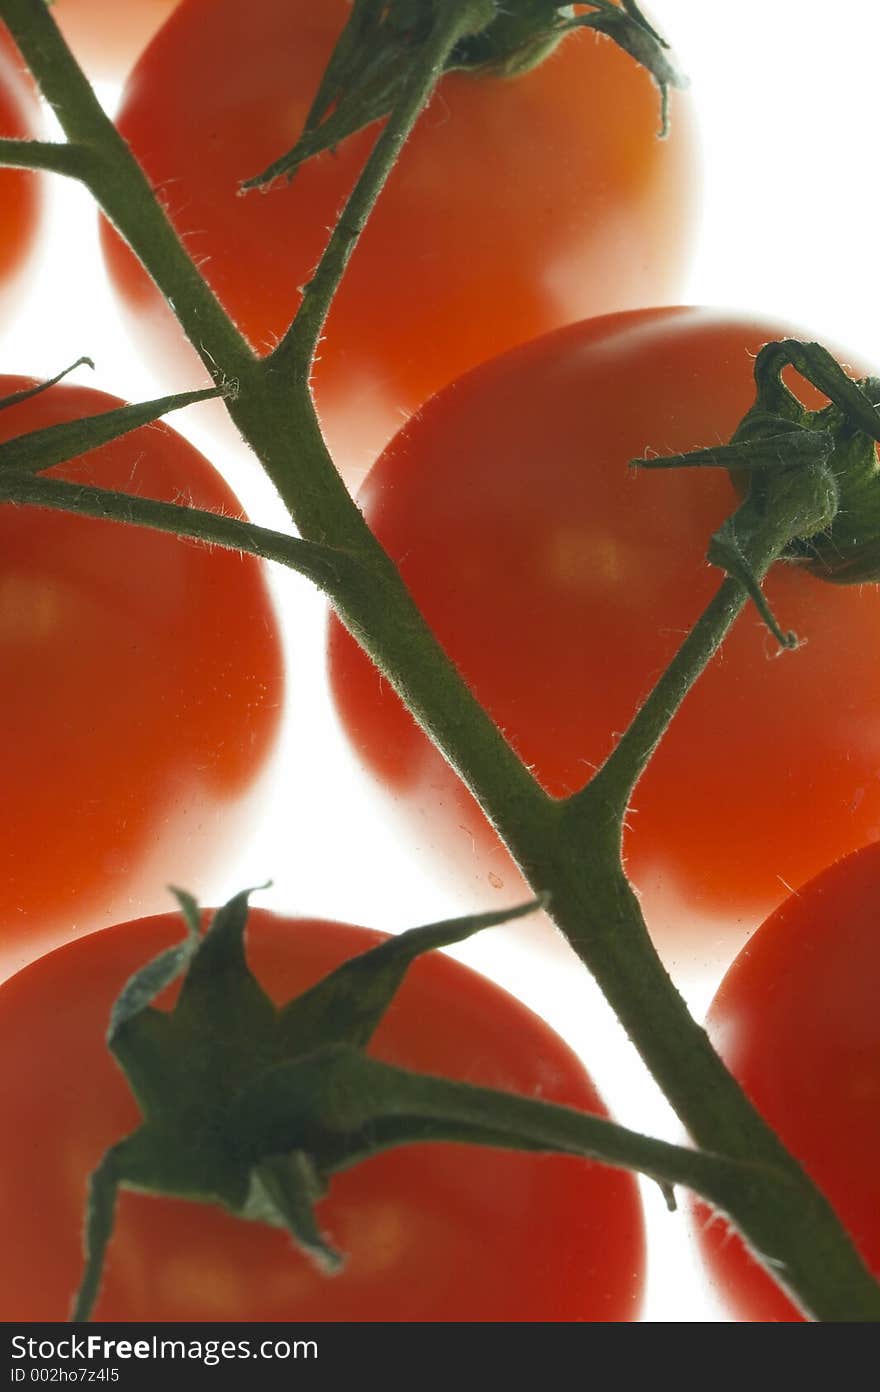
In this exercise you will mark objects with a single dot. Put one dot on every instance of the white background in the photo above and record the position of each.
(785, 96)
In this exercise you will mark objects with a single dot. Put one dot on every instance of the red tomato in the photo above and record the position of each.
(561, 583)
(142, 681)
(107, 35)
(518, 204)
(19, 188)
(433, 1232)
(796, 1021)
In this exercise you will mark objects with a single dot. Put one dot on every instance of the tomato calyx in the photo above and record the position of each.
(368, 71)
(527, 32)
(253, 1107)
(812, 476)
(847, 552)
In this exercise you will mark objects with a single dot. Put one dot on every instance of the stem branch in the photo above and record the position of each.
(53, 156)
(329, 569)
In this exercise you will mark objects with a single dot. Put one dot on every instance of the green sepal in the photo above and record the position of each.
(726, 551)
(818, 469)
(369, 67)
(215, 1058)
(847, 551)
(630, 30)
(284, 1191)
(348, 1005)
(15, 398)
(763, 441)
(54, 444)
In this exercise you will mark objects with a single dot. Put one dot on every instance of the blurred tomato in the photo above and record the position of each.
(796, 1021)
(518, 204)
(140, 693)
(561, 583)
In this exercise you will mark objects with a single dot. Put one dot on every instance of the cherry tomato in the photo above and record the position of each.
(107, 35)
(142, 681)
(796, 1021)
(19, 188)
(518, 204)
(436, 1232)
(561, 583)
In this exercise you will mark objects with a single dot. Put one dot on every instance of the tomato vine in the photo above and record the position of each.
(570, 848)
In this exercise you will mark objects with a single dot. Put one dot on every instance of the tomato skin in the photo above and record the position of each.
(20, 192)
(561, 583)
(796, 1021)
(435, 1232)
(141, 691)
(107, 35)
(570, 226)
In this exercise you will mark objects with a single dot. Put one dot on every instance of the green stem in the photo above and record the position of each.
(323, 565)
(795, 1232)
(452, 22)
(620, 773)
(378, 1096)
(281, 426)
(569, 850)
(762, 533)
(378, 610)
(596, 909)
(49, 155)
(99, 156)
